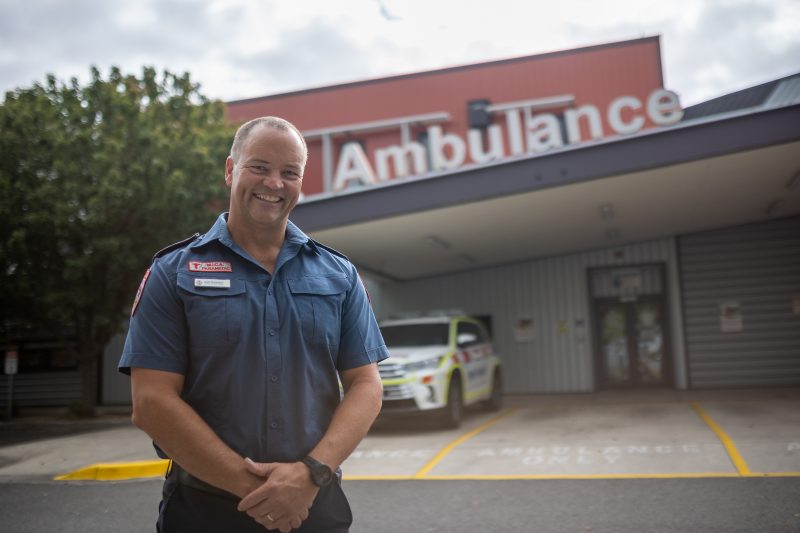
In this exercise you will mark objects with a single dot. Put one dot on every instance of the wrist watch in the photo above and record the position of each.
(321, 474)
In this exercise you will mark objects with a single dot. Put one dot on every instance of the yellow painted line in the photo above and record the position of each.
(117, 471)
(460, 440)
(376, 478)
(773, 474)
(736, 458)
(675, 475)
(509, 477)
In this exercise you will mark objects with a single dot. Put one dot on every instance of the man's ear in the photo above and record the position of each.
(229, 172)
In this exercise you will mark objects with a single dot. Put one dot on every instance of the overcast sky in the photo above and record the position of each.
(246, 48)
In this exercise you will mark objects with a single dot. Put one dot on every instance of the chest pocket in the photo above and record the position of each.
(214, 315)
(318, 301)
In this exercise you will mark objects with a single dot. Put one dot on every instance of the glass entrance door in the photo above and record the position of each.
(632, 348)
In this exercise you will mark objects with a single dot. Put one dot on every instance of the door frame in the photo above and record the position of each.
(596, 332)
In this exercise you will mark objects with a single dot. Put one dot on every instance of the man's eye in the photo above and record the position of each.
(258, 168)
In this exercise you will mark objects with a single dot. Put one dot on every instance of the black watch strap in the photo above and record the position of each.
(321, 474)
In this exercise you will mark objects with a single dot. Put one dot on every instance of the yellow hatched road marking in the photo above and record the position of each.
(736, 458)
(460, 440)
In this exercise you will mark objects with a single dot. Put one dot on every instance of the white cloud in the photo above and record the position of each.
(243, 48)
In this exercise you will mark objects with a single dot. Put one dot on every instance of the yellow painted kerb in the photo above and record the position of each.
(117, 471)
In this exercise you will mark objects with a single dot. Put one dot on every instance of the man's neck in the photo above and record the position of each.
(262, 243)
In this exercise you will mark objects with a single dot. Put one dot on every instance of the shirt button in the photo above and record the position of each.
(272, 332)
(273, 379)
(273, 425)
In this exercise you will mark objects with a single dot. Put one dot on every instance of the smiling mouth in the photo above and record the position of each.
(271, 198)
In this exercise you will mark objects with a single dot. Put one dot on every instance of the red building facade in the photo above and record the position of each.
(368, 132)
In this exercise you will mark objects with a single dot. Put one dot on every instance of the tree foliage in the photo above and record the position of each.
(93, 180)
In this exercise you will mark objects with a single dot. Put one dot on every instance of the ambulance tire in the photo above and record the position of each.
(495, 400)
(454, 410)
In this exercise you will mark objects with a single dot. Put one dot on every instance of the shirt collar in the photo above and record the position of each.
(219, 232)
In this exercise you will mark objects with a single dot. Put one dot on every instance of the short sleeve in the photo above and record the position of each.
(157, 336)
(361, 340)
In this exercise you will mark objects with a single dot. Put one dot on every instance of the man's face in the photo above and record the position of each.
(265, 182)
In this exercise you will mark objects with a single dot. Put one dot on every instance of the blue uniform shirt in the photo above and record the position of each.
(260, 353)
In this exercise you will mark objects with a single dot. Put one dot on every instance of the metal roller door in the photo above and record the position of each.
(741, 301)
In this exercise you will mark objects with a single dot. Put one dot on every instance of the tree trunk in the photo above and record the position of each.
(88, 365)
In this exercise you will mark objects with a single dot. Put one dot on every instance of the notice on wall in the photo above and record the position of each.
(11, 362)
(730, 317)
(523, 330)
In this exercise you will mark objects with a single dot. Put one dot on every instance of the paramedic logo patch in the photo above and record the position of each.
(139, 292)
(210, 266)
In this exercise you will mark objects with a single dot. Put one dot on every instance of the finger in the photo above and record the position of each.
(259, 469)
(267, 523)
(259, 496)
(262, 510)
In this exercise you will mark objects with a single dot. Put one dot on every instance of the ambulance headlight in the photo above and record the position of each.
(425, 364)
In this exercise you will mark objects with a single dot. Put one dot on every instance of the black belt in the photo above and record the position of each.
(185, 478)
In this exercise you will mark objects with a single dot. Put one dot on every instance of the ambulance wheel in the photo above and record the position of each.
(495, 400)
(454, 410)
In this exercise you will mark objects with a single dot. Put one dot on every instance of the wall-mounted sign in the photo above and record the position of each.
(523, 330)
(525, 132)
(11, 362)
(730, 317)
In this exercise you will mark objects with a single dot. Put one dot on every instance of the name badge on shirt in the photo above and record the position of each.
(213, 283)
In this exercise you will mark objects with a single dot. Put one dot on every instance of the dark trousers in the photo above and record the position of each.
(186, 509)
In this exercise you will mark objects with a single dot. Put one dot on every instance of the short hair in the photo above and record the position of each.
(269, 122)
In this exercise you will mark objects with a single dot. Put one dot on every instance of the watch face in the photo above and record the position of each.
(322, 475)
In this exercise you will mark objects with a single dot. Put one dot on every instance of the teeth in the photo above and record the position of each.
(268, 197)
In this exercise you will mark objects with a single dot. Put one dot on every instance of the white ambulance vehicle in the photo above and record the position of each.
(439, 365)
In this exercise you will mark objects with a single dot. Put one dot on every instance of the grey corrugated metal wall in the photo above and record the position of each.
(553, 292)
(757, 269)
(41, 389)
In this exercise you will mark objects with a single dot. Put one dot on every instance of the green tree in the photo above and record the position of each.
(93, 180)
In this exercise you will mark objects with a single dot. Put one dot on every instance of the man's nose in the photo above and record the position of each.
(273, 180)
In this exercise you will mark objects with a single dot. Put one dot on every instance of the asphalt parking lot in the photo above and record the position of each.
(651, 434)
(660, 461)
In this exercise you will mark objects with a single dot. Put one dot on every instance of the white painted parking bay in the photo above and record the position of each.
(606, 435)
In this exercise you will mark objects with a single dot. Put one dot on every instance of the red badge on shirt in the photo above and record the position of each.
(210, 266)
(139, 292)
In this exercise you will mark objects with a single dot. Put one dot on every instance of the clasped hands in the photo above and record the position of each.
(282, 501)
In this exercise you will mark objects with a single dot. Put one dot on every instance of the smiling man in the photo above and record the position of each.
(236, 341)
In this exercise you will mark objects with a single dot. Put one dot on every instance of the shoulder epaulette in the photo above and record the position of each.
(328, 248)
(175, 246)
